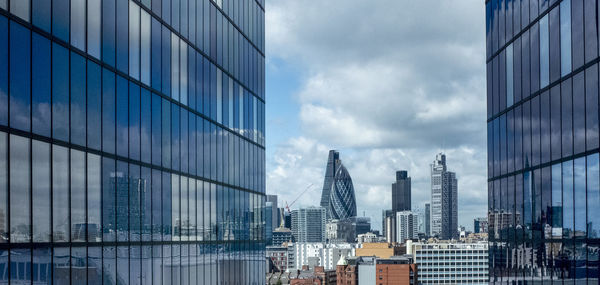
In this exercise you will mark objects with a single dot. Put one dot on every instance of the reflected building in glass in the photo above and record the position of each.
(132, 142)
(543, 144)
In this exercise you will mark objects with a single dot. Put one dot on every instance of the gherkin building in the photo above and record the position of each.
(338, 191)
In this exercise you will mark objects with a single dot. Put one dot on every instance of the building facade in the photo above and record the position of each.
(407, 226)
(132, 142)
(401, 192)
(480, 225)
(542, 122)
(318, 254)
(444, 200)
(275, 215)
(308, 224)
(338, 196)
(427, 219)
(451, 263)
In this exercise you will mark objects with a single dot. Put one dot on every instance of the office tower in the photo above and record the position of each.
(276, 217)
(444, 200)
(390, 228)
(132, 141)
(308, 224)
(338, 192)
(401, 192)
(406, 226)
(268, 223)
(480, 225)
(542, 122)
(384, 215)
(427, 219)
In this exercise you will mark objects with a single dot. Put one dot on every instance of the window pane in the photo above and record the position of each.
(41, 191)
(175, 67)
(108, 32)
(175, 204)
(166, 61)
(593, 196)
(78, 226)
(579, 198)
(591, 107)
(94, 104)
(121, 180)
(136, 187)
(94, 198)
(93, 27)
(60, 92)
(567, 175)
(20, 79)
(145, 47)
(60, 193)
(60, 19)
(78, 98)
(108, 111)
(134, 40)
(557, 208)
(40, 109)
(122, 36)
(565, 37)
(166, 133)
(145, 190)
(184, 72)
(78, 24)
(544, 52)
(175, 137)
(3, 186)
(3, 71)
(20, 189)
(20, 9)
(122, 116)
(567, 115)
(156, 129)
(156, 205)
(41, 14)
(166, 206)
(108, 200)
(156, 54)
(134, 121)
(146, 121)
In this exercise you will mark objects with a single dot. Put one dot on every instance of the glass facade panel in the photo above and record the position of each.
(95, 168)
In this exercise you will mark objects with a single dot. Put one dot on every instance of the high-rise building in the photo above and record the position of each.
(444, 200)
(337, 196)
(276, 217)
(384, 215)
(542, 130)
(406, 226)
(308, 224)
(132, 137)
(427, 219)
(401, 195)
(480, 225)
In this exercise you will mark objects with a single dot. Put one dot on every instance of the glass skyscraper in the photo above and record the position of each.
(542, 121)
(132, 142)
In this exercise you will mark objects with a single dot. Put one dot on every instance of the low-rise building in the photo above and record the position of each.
(317, 254)
(367, 237)
(369, 270)
(278, 256)
(450, 263)
(380, 249)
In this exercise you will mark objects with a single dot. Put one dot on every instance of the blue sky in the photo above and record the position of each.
(389, 84)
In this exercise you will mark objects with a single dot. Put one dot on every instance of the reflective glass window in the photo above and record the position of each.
(567, 115)
(94, 197)
(156, 129)
(156, 54)
(108, 199)
(593, 196)
(145, 47)
(122, 36)
(78, 199)
(121, 181)
(166, 207)
(94, 21)
(175, 67)
(166, 60)
(136, 188)
(20, 79)
(166, 133)
(40, 88)
(557, 208)
(134, 121)
(108, 111)
(545, 127)
(60, 194)
(578, 113)
(145, 126)
(554, 44)
(175, 137)
(567, 197)
(134, 40)
(536, 49)
(79, 258)
(60, 92)
(40, 169)
(20, 9)
(3, 71)
(78, 99)
(590, 29)
(577, 40)
(183, 88)
(580, 196)
(565, 37)
(108, 32)
(41, 14)
(145, 186)
(591, 107)
(60, 19)
(184, 139)
(184, 219)
(156, 205)
(3, 185)
(94, 105)
(20, 189)
(60, 260)
(175, 207)
(78, 23)
(122, 116)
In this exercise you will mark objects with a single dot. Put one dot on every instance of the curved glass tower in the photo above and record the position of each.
(132, 142)
(341, 200)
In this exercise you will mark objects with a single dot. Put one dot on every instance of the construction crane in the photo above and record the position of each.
(287, 206)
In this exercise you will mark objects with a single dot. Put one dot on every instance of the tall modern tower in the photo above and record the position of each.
(401, 192)
(308, 224)
(427, 219)
(444, 200)
(132, 141)
(542, 122)
(338, 191)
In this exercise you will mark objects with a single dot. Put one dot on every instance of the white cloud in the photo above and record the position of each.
(388, 83)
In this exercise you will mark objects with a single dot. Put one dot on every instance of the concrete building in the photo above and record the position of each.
(390, 228)
(367, 238)
(444, 200)
(407, 226)
(450, 263)
(308, 224)
(347, 230)
(401, 192)
(380, 249)
(318, 254)
(281, 236)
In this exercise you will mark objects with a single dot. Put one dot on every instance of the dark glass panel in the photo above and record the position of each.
(60, 93)
(156, 139)
(156, 54)
(557, 206)
(146, 189)
(577, 42)
(94, 105)
(175, 208)
(184, 141)
(94, 198)
(40, 88)
(555, 122)
(166, 133)
(166, 206)
(578, 113)
(146, 126)
(122, 116)
(591, 107)
(593, 196)
(122, 266)
(534, 35)
(156, 205)
(567, 197)
(579, 196)
(108, 31)
(3, 71)
(20, 189)
(136, 188)
(184, 219)
(78, 99)
(134, 121)
(94, 263)
(41, 191)
(554, 44)
(567, 121)
(525, 64)
(108, 200)
(135, 265)
(60, 19)
(109, 265)
(79, 264)
(147, 262)
(544, 126)
(157, 264)
(60, 194)
(78, 199)
(122, 36)
(175, 137)
(108, 111)
(41, 14)
(192, 145)
(121, 182)
(591, 29)
(20, 79)
(166, 61)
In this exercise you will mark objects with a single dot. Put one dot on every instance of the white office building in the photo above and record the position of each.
(407, 226)
(450, 263)
(318, 254)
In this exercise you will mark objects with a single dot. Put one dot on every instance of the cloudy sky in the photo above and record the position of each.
(389, 84)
